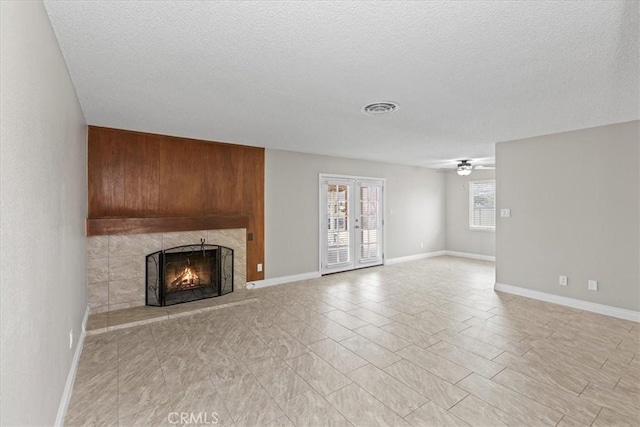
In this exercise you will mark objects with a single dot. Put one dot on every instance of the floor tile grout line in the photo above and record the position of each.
(374, 397)
(515, 415)
(531, 398)
(240, 361)
(596, 417)
(463, 378)
(504, 351)
(498, 373)
(459, 401)
(544, 382)
(311, 387)
(365, 391)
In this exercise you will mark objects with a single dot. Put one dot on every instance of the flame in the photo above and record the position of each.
(186, 279)
(189, 276)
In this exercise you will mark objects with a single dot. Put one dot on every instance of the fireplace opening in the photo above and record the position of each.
(188, 273)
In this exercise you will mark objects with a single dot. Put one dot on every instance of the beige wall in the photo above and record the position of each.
(415, 194)
(43, 184)
(460, 238)
(575, 211)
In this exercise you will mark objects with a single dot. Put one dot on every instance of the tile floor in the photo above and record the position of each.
(425, 343)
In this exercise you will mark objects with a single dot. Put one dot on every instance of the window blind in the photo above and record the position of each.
(482, 208)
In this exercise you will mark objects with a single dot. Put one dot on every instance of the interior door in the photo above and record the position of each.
(351, 224)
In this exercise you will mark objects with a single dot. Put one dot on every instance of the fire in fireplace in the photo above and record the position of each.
(186, 279)
(188, 273)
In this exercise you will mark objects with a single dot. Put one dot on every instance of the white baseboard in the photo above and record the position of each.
(472, 256)
(68, 388)
(398, 260)
(284, 279)
(315, 274)
(620, 313)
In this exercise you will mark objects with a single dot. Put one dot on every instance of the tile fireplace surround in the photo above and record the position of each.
(116, 264)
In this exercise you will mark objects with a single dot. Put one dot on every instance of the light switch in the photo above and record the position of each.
(505, 213)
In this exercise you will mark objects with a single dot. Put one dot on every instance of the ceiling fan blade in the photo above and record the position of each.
(484, 167)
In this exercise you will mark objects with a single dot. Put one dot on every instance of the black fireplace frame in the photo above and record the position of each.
(157, 261)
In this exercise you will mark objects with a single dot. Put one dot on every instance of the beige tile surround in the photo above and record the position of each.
(116, 264)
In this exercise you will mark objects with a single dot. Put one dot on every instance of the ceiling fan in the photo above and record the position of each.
(464, 167)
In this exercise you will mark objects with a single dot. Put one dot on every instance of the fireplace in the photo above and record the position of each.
(188, 273)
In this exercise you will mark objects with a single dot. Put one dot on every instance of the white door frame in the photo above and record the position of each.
(322, 226)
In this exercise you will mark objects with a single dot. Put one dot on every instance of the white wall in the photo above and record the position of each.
(415, 194)
(575, 211)
(43, 202)
(460, 238)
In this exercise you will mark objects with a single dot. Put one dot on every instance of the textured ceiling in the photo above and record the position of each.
(295, 75)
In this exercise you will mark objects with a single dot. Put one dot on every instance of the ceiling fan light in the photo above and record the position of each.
(464, 168)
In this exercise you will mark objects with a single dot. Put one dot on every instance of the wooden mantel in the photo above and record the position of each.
(108, 226)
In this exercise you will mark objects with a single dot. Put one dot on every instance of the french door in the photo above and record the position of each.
(351, 223)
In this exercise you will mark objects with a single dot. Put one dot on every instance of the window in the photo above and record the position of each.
(482, 205)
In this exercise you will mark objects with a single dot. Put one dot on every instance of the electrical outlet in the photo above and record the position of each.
(259, 267)
(421, 245)
(563, 281)
(593, 285)
(71, 338)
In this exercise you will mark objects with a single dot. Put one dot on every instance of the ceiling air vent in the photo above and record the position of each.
(378, 108)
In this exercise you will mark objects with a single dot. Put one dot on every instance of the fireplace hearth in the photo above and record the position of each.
(188, 273)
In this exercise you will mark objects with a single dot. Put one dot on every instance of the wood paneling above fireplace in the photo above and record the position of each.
(154, 183)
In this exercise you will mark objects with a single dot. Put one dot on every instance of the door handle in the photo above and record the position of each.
(357, 226)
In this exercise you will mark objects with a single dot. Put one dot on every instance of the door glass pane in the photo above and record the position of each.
(370, 223)
(338, 243)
